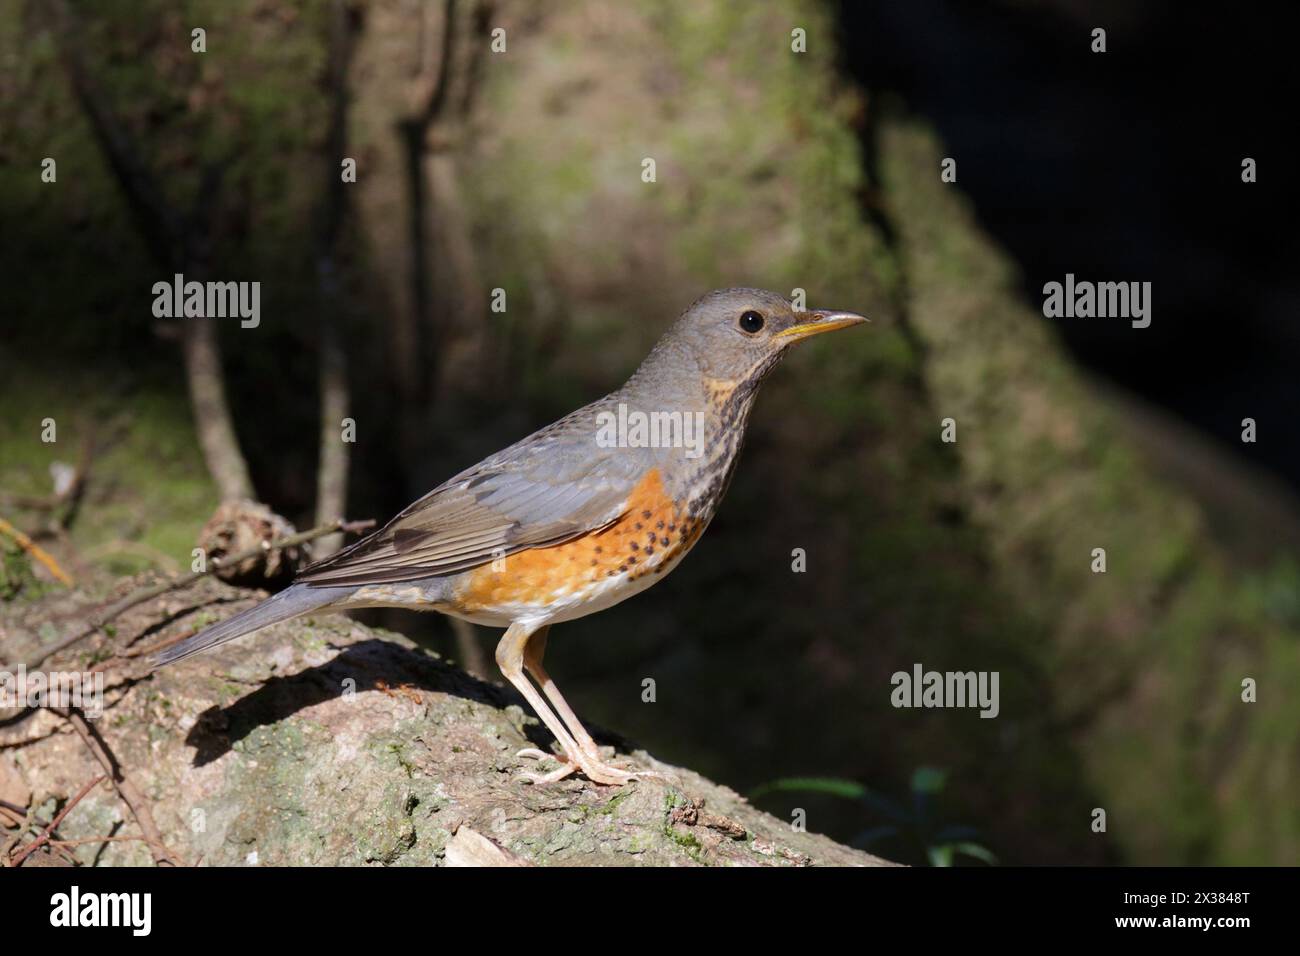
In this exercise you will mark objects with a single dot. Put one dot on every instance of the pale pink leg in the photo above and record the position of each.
(534, 650)
(510, 658)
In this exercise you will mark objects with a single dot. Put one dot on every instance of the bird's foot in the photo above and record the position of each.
(564, 769)
(593, 766)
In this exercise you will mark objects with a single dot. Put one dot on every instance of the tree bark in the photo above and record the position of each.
(173, 247)
(332, 470)
(212, 421)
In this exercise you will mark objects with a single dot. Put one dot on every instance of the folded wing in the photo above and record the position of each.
(547, 489)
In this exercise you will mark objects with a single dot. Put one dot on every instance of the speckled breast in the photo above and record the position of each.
(588, 573)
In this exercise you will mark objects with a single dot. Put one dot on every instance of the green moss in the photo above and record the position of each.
(1147, 657)
(148, 491)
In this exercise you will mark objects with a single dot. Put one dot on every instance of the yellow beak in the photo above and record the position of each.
(819, 322)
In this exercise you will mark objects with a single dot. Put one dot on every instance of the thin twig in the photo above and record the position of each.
(35, 550)
(154, 590)
(83, 841)
(14, 840)
(127, 790)
(11, 818)
(160, 646)
(45, 836)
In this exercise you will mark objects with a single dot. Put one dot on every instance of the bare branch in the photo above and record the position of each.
(44, 838)
(129, 793)
(216, 430)
(144, 594)
(36, 551)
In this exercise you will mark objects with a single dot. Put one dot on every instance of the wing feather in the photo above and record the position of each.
(537, 493)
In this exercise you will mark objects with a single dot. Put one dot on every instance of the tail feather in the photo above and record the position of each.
(295, 600)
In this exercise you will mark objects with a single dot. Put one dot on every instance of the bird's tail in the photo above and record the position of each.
(294, 600)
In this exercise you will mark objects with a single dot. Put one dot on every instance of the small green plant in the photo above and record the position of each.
(911, 823)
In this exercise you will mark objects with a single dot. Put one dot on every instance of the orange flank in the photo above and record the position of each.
(652, 531)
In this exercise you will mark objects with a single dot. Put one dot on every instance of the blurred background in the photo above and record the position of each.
(521, 170)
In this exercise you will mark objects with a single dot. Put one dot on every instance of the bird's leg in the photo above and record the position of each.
(510, 658)
(533, 653)
(534, 650)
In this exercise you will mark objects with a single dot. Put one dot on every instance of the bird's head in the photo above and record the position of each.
(736, 335)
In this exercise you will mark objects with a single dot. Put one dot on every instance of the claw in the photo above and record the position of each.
(624, 769)
(564, 770)
(593, 767)
(534, 754)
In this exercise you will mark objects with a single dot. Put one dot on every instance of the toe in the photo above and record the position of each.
(534, 754)
(555, 775)
(603, 773)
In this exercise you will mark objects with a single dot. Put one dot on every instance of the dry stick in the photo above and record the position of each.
(11, 811)
(144, 594)
(35, 550)
(131, 652)
(332, 474)
(14, 840)
(45, 836)
(212, 420)
(68, 858)
(83, 841)
(131, 796)
(148, 650)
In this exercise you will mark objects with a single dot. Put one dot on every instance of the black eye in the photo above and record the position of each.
(750, 322)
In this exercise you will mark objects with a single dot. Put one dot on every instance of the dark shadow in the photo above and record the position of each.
(1123, 165)
(373, 665)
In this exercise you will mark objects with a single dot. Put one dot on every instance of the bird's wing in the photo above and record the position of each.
(554, 485)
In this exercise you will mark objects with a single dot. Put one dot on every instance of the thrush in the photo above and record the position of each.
(573, 519)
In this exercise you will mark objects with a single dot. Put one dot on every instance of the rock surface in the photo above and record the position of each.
(324, 742)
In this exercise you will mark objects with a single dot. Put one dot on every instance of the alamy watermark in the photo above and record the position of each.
(630, 428)
(922, 688)
(83, 690)
(208, 300)
(1102, 300)
(74, 908)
